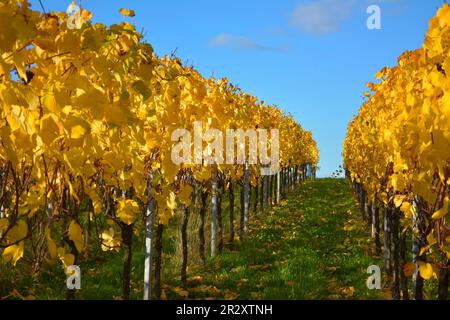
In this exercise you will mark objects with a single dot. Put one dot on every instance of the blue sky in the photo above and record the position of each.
(310, 57)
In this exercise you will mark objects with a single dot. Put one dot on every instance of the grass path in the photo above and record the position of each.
(312, 246)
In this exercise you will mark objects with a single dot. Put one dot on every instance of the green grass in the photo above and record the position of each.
(297, 250)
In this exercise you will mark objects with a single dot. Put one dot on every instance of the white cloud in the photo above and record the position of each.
(390, 7)
(322, 16)
(228, 40)
(327, 16)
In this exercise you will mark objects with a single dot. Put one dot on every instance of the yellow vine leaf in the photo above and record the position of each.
(77, 132)
(76, 235)
(20, 118)
(444, 15)
(86, 15)
(431, 239)
(109, 241)
(440, 213)
(443, 211)
(32, 204)
(406, 209)
(166, 203)
(49, 102)
(67, 259)
(170, 201)
(398, 200)
(9, 35)
(77, 127)
(18, 232)
(425, 270)
(51, 245)
(127, 211)
(13, 253)
(185, 194)
(127, 12)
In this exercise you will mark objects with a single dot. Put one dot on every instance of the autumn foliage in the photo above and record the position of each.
(398, 146)
(86, 120)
